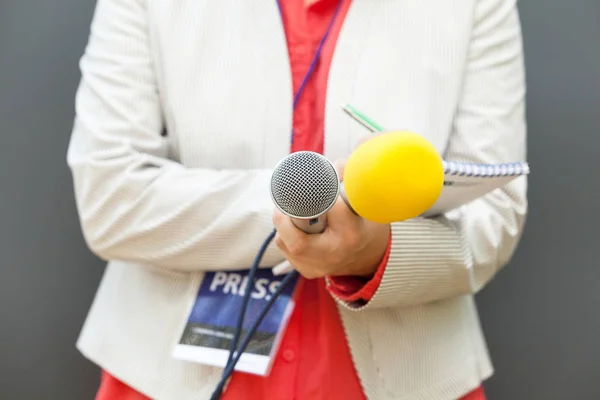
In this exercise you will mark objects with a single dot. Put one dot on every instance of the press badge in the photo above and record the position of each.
(210, 327)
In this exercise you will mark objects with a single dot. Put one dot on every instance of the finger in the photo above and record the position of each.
(346, 223)
(341, 217)
(279, 243)
(308, 272)
(340, 166)
(342, 227)
(291, 240)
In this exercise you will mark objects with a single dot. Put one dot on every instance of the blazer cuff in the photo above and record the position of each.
(427, 260)
(355, 288)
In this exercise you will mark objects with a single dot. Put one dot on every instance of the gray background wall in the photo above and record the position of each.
(540, 314)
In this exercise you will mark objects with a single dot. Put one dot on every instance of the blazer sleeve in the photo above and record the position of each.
(134, 203)
(458, 253)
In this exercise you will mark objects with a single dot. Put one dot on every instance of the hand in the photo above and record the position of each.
(350, 245)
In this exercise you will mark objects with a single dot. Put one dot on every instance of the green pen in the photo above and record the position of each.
(362, 119)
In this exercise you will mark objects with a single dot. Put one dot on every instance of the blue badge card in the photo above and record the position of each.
(210, 327)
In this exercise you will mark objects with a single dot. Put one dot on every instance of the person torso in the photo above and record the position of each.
(218, 61)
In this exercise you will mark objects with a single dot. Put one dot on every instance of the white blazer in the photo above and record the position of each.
(185, 106)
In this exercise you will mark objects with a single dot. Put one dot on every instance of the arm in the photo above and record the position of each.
(134, 203)
(458, 253)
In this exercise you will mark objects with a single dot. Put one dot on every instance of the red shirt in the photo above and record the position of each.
(314, 360)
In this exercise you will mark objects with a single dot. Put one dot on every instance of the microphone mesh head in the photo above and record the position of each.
(304, 185)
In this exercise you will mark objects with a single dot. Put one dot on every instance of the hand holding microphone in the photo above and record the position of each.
(350, 245)
(317, 231)
(391, 177)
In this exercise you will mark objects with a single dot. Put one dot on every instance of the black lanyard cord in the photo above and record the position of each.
(234, 355)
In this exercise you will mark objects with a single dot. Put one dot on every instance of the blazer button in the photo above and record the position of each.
(289, 355)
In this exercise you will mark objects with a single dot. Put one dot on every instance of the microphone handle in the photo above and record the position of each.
(313, 225)
(318, 224)
(343, 196)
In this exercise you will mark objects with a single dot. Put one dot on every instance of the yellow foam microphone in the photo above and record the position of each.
(392, 177)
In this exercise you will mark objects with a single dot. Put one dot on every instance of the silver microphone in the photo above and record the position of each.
(305, 186)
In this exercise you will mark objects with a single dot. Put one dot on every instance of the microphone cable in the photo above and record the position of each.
(235, 355)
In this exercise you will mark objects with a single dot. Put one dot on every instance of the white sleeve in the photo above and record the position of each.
(458, 253)
(134, 203)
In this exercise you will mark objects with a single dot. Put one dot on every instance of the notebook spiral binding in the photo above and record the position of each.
(454, 168)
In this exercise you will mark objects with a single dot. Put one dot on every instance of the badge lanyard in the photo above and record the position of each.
(315, 59)
(231, 362)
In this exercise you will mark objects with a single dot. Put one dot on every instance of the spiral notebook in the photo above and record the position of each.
(465, 182)
(209, 330)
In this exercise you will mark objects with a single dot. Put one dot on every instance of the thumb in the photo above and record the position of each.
(340, 166)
